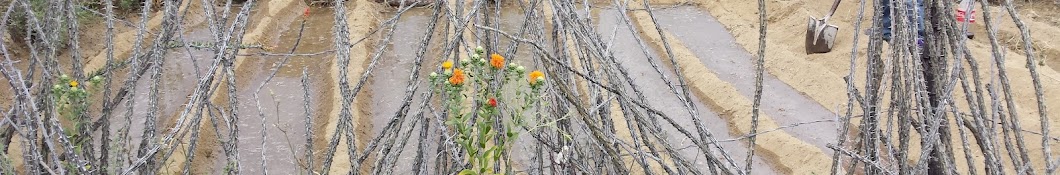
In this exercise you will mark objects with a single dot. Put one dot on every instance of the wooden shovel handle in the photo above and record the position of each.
(832, 11)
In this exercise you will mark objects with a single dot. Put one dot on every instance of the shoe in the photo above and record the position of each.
(969, 16)
(961, 16)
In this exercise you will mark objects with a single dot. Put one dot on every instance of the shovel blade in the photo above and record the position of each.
(822, 42)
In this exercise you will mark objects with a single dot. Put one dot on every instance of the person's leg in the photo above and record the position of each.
(885, 29)
(918, 12)
(913, 11)
(964, 14)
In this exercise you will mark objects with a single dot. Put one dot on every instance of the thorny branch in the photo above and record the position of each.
(597, 120)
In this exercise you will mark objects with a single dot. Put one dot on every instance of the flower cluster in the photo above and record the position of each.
(476, 65)
(498, 91)
(71, 99)
(70, 90)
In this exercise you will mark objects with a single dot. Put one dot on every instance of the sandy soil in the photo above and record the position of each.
(360, 21)
(94, 56)
(283, 96)
(800, 87)
(788, 154)
(819, 76)
(632, 58)
(125, 41)
(1043, 20)
(281, 100)
(391, 76)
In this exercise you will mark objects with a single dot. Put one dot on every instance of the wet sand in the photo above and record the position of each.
(786, 153)
(390, 79)
(361, 18)
(818, 76)
(282, 98)
(628, 53)
(797, 89)
(717, 50)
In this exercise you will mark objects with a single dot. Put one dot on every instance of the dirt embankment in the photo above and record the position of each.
(360, 22)
(635, 61)
(266, 20)
(819, 76)
(93, 51)
(1041, 18)
(788, 154)
(124, 41)
(208, 144)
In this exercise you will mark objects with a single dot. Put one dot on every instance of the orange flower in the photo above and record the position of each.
(497, 61)
(457, 78)
(493, 102)
(447, 64)
(535, 75)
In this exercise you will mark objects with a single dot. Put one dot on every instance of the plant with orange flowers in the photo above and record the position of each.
(500, 94)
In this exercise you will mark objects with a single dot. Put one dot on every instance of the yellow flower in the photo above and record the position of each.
(457, 78)
(497, 61)
(447, 64)
(73, 83)
(536, 75)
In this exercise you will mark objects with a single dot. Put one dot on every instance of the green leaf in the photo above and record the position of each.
(467, 172)
(451, 121)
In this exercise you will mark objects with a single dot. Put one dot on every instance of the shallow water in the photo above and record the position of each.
(282, 99)
(630, 55)
(718, 50)
(179, 76)
(390, 79)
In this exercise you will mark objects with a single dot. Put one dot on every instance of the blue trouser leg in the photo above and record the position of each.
(919, 18)
(916, 12)
(885, 30)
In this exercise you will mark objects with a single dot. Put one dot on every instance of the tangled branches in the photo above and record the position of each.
(599, 112)
(923, 81)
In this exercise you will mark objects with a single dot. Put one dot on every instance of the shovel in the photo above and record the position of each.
(820, 36)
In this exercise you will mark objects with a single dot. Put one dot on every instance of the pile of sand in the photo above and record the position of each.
(819, 76)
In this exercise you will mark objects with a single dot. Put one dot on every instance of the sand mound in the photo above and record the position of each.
(819, 76)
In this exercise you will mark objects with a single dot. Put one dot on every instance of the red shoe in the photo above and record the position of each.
(961, 14)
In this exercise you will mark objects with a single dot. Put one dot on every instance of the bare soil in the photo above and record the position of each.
(819, 76)
(662, 97)
(711, 40)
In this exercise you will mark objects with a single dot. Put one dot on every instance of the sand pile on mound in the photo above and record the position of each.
(819, 76)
